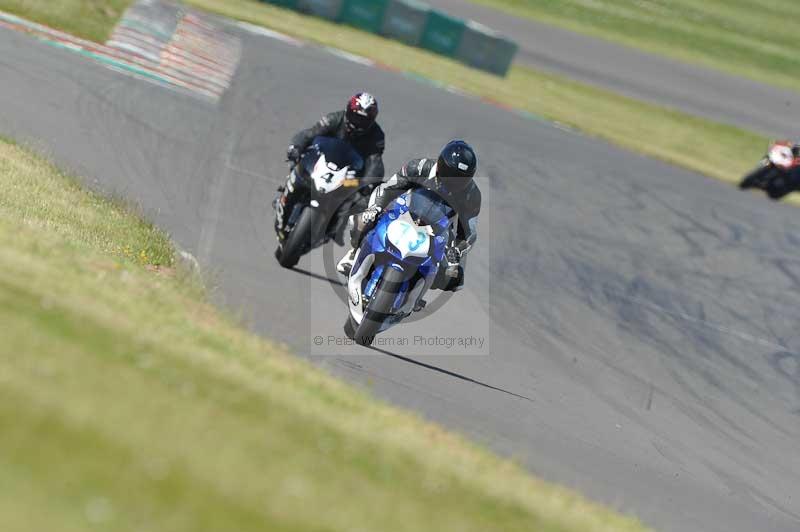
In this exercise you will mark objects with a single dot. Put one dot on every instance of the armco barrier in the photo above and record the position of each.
(405, 20)
(364, 14)
(481, 48)
(416, 24)
(442, 33)
(329, 9)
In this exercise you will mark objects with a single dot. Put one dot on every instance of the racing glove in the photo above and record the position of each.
(453, 255)
(369, 216)
(293, 153)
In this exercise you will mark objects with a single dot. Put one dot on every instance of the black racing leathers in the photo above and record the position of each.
(785, 182)
(370, 145)
(466, 205)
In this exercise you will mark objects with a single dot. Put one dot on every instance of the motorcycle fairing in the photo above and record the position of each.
(397, 241)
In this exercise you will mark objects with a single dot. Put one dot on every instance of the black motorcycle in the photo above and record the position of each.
(778, 172)
(326, 180)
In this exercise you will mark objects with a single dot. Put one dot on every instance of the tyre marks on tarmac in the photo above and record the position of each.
(608, 268)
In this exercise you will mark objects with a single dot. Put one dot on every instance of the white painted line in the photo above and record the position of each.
(126, 47)
(259, 30)
(263, 177)
(188, 260)
(72, 46)
(458, 92)
(351, 57)
(213, 211)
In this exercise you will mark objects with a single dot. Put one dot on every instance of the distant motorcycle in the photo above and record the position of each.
(328, 169)
(777, 174)
(396, 264)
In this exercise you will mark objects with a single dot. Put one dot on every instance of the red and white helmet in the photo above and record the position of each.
(361, 112)
(781, 154)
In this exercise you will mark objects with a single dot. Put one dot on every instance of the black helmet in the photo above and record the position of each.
(456, 165)
(360, 114)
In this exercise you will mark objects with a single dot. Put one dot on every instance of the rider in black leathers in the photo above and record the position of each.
(356, 125)
(451, 178)
(775, 184)
(792, 181)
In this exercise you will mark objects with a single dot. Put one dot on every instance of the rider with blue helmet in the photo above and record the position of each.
(450, 176)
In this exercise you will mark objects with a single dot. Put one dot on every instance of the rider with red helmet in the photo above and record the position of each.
(357, 125)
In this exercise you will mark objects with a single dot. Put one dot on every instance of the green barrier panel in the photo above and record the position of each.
(481, 48)
(329, 9)
(364, 14)
(405, 20)
(442, 33)
(291, 4)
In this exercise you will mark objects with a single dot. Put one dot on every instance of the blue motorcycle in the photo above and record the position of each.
(396, 264)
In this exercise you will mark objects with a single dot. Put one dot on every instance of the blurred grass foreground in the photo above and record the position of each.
(128, 403)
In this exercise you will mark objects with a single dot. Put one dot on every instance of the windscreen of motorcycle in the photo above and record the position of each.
(331, 163)
(426, 207)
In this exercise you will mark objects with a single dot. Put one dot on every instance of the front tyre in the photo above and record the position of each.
(350, 328)
(379, 307)
(298, 243)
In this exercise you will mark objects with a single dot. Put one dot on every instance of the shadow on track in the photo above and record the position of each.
(448, 372)
(334, 282)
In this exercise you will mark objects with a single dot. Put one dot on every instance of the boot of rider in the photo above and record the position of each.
(449, 278)
(359, 229)
(345, 266)
(357, 232)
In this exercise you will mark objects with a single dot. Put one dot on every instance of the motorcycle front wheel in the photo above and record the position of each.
(378, 309)
(298, 243)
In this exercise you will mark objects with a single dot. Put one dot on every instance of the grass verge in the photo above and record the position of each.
(90, 19)
(717, 150)
(756, 39)
(128, 403)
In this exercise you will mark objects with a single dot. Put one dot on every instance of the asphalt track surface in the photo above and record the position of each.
(643, 320)
(690, 88)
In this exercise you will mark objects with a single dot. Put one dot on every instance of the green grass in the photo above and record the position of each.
(90, 19)
(717, 150)
(753, 38)
(128, 403)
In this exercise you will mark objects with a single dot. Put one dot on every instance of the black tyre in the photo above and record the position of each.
(379, 307)
(779, 187)
(350, 328)
(758, 178)
(298, 243)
